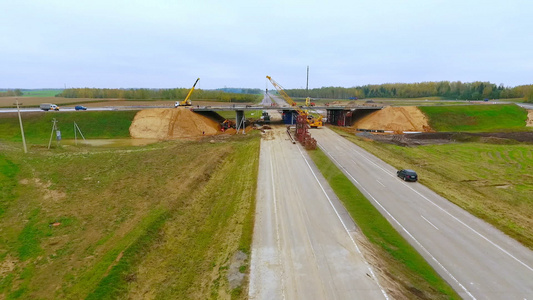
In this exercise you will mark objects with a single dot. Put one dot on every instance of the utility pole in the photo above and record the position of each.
(307, 84)
(58, 134)
(21, 127)
(308, 99)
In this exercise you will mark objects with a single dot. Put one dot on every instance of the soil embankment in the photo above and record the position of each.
(529, 121)
(397, 119)
(171, 123)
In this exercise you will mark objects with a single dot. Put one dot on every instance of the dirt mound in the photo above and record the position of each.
(529, 121)
(171, 123)
(397, 119)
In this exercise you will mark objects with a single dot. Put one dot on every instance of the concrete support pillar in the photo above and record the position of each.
(241, 121)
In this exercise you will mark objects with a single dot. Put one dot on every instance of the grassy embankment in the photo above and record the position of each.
(491, 181)
(400, 260)
(162, 220)
(249, 114)
(477, 118)
(93, 124)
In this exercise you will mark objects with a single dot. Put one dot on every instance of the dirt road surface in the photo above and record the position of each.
(303, 245)
(479, 261)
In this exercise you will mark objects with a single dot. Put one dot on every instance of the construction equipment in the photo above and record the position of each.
(265, 117)
(308, 100)
(187, 101)
(227, 124)
(311, 120)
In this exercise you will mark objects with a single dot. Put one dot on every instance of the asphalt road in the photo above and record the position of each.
(277, 99)
(478, 261)
(22, 110)
(304, 245)
(526, 105)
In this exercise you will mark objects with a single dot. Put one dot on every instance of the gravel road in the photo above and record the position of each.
(304, 245)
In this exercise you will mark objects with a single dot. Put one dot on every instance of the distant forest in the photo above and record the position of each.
(11, 93)
(448, 90)
(241, 90)
(160, 94)
(445, 89)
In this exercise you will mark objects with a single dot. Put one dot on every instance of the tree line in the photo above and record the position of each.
(448, 90)
(11, 93)
(240, 90)
(158, 94)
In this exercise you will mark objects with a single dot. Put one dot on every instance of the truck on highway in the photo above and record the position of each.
(49, 106)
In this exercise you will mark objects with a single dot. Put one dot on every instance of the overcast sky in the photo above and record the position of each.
(236, 43)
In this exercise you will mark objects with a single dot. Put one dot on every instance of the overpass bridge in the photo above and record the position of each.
(335, 115)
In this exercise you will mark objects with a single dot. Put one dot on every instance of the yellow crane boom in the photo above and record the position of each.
(187, 101)
(313, 122)
(288, 99)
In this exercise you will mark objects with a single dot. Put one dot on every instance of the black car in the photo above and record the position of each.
(407, 175)
(80, 107)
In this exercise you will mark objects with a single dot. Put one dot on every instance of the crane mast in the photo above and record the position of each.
(313, 122)
(287, 98)
(187, 101)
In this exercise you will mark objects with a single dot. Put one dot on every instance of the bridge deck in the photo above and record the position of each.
(250, 107)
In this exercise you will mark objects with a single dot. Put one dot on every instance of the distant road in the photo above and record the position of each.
(70, 109)
(280, 102)
(303, 245)
(479, 261)
(526, 105)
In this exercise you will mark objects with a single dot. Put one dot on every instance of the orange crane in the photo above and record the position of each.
(311, 120)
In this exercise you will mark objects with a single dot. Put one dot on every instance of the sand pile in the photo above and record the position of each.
(171, 123)
(397, 119)
(529, 121)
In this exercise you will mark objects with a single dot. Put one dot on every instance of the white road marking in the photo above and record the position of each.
(429, 222)
(343, 225)
(380, 182)
(277, 225)
(449, 214)
(397, 222)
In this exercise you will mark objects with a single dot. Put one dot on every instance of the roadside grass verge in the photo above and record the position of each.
(93, 124)
(477, 118)
(8, 182)
(249, 114)
(493, 182)
(404, 264)
(163, 220)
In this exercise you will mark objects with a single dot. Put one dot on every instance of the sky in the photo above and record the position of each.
(236, 43)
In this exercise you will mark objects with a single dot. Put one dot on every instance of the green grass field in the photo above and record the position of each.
(41, 93)
(476, 118)
(416, 277)
(93, 124)
(249, 114)
(161, 221)
(493, 182)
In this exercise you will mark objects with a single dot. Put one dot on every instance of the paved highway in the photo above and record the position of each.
(23, 110)
(479, 261)
(526, 105)
(304, 245)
